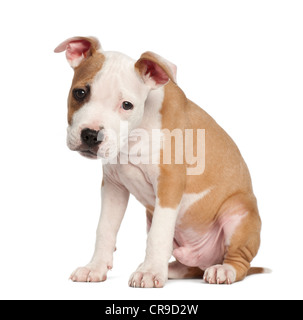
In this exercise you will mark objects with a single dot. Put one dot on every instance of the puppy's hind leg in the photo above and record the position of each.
(242, 241)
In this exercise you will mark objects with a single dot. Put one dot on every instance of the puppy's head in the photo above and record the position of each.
(108, 93)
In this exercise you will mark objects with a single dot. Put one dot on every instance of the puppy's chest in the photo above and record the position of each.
(140, 181)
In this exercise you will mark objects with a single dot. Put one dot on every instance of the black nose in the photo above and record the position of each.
(91, 137)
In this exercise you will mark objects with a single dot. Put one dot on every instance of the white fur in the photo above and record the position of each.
(219, 274)
(153, 272)
(112, 213)
(142, 179)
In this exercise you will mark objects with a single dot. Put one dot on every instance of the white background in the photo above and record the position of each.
(242, 61)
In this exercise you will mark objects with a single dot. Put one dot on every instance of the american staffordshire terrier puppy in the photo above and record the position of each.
(185, 169)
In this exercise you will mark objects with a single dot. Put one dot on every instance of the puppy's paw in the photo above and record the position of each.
(91, 273)
(148, 278)
(220, 274)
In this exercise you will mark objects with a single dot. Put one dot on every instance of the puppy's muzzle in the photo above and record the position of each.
(91, 138)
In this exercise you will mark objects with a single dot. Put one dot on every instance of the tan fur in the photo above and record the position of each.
(83, 76)
(225, 172)
(172, 179)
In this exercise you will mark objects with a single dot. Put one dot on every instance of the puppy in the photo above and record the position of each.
(173, 157)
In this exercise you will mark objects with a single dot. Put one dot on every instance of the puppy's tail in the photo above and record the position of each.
(254, 270)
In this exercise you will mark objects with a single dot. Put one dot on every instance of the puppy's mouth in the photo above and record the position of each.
(88, 154)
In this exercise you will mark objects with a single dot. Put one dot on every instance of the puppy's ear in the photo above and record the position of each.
(155, 70)
(78, 48)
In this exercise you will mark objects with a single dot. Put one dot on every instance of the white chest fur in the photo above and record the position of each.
(141, 179)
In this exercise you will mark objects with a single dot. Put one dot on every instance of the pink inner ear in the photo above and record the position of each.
(155, 72)
(76, 49)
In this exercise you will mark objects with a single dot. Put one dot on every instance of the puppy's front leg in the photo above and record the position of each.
(114, 202)
(153, 272)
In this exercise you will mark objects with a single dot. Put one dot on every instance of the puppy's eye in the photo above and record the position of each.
(81, 93)
(126, 105)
